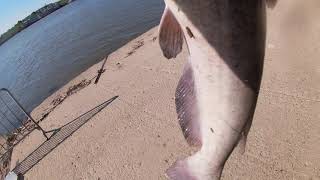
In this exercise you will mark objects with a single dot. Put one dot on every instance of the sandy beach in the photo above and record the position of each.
(137, 136)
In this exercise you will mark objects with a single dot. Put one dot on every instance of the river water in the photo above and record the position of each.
(45, 56)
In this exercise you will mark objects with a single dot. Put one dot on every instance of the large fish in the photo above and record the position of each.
(217, 93)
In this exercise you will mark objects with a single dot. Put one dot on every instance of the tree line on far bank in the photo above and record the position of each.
(32, 18)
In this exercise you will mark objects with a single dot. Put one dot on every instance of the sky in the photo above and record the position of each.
(11, 11)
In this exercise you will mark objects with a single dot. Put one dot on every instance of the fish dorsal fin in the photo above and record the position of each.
(170, 35)
(271, 3)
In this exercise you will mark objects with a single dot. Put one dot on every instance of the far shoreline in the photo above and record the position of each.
(33, 18)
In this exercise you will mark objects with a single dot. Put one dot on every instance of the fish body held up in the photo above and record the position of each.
(217, 93)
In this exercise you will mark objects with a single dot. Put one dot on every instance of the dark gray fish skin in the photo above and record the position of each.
(231, 28)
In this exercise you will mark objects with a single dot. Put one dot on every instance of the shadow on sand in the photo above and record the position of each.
(59, 135)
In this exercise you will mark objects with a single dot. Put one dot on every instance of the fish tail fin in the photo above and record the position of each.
(182, 170)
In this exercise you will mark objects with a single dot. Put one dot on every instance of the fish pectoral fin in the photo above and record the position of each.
(170, 35)
(271, 3)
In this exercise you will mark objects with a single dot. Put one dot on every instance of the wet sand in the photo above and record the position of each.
(137, 136)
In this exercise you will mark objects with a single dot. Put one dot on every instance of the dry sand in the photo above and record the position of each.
(138, 137)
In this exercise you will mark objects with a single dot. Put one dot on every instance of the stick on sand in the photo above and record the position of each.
(101, 70)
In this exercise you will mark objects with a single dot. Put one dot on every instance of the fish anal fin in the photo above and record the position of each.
(242, 143)
(170, 35)
(244, 134)
(186, 107)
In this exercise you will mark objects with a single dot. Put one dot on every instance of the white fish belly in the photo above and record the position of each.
(224, 101)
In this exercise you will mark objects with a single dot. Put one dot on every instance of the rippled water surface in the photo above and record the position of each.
(49, 53)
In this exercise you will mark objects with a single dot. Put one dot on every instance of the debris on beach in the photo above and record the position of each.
(130, 53)
(61, 97)
(58, 100)
(71, 90)
(75, 88)
(119, 65)
(154, 38)
(138, 44)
